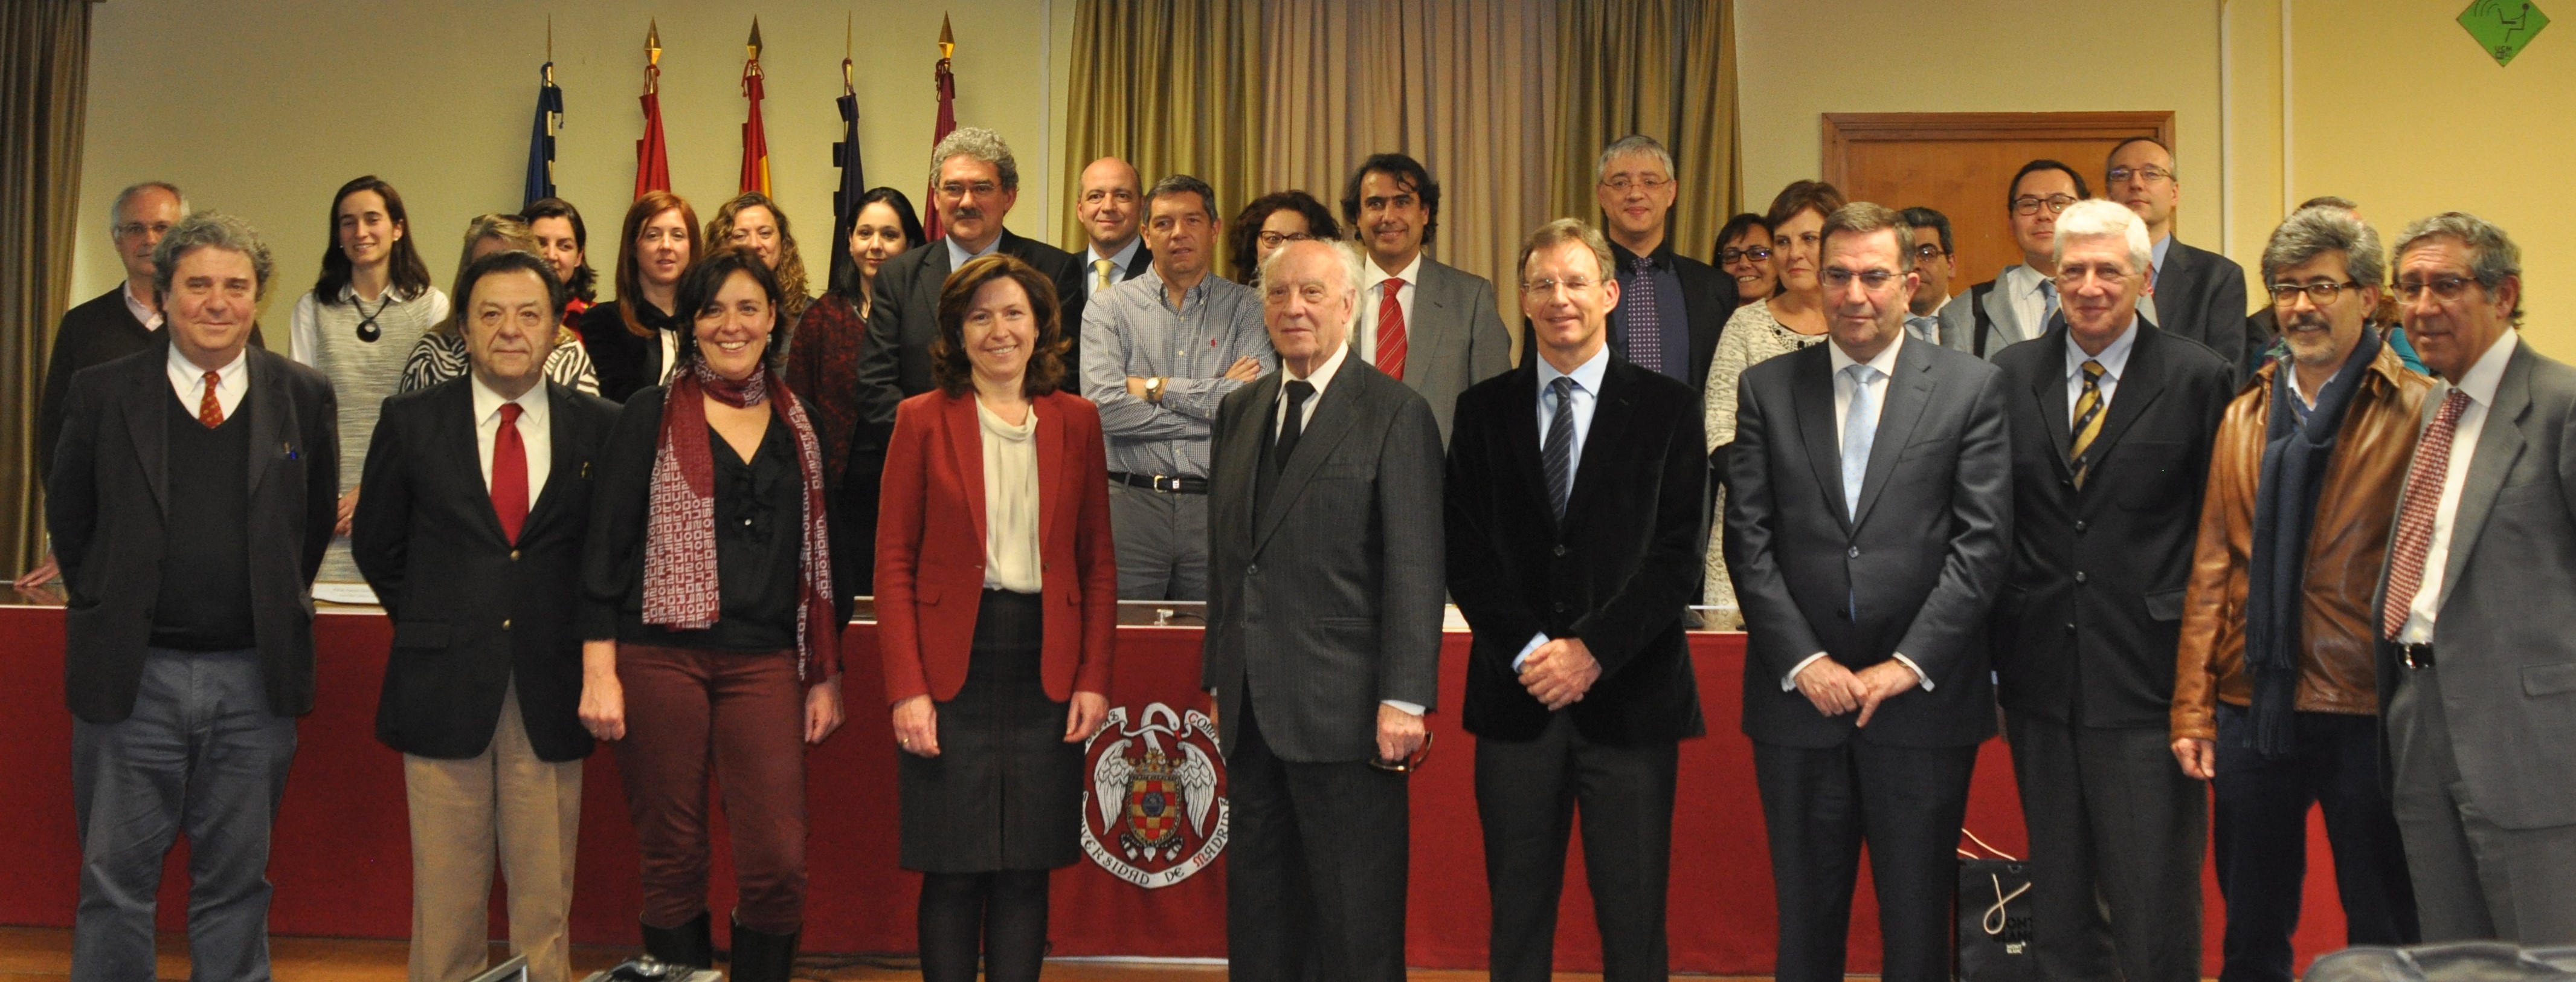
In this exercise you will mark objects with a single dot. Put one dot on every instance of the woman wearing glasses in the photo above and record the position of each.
(1779, 323)
(1271, 221)
(1744, 252)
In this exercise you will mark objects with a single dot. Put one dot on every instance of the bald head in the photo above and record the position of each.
(1110, 203)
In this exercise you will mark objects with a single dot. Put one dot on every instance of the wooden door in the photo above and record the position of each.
(1960, 163)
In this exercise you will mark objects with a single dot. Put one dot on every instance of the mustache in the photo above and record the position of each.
(970, 212)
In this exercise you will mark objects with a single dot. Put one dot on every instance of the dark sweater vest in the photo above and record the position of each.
(205, 560)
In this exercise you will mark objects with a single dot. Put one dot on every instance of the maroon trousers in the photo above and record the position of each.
(745, 715)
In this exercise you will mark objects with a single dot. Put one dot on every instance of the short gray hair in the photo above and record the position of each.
(210, 230)
(1349, 260)
(116, 209)
(1632, 143)
(2493, 256)
(2319, 229)
(1560, 232)
(1183, 184)
(2102, 218)
(977, 143)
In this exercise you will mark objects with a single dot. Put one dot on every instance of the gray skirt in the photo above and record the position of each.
(1005, 792)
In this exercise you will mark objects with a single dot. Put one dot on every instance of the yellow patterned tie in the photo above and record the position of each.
(2088, 420)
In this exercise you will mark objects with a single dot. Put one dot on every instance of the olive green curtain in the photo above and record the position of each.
(44, 71)
(1170, 86)
(1663, 68)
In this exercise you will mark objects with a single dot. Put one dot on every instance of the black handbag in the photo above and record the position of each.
(1994, 917)
(2464, 961)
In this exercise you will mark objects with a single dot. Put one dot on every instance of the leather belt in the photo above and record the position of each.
(2414, 655)
(1165, 483)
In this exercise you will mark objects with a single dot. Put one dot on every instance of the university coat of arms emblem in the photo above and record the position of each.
(1152, 815)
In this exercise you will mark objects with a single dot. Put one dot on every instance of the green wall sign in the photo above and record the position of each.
(2503, 27)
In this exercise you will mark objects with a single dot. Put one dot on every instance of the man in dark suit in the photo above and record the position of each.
(469, 528)
(2477, 652)
(193, 491)
(1323, 639)
(1421, 322)
(2198, 294)
(1672, 307)
(1575, 488)
(2112, 421)
(1111, 207)
(1867, 526)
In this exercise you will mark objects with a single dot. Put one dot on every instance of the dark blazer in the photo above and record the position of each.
(94, 333)
(2099, 650)
(903, 318)
(2201, 295)
(2504, 636)
(1616, 573)
(474, 612)
(1330, 599)
(110, 492)
(1708, 299)
(930, 546)
(1923, 561)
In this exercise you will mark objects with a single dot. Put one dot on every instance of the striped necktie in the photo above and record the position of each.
(2088, 421)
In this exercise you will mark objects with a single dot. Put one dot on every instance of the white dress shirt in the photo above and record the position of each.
(2115, 362)
(2479, 382)
(1321, 378)
(1844, 386)
(1372, 293)
(2020, 286)
(1586, 395)
(534, 435)
(1091, 258)
(142, 311)
(232, 381)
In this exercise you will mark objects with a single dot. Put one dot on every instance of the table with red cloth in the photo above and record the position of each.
(342, 867)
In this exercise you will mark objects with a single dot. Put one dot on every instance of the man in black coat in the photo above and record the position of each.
(1575, 492)
(474, 502)
(1868, 520)
(2112, 422)
(192, 494)
(1672, 307)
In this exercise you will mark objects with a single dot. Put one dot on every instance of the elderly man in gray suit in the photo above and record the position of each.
(1421, 322)
(2477, 665)
(1323, 638)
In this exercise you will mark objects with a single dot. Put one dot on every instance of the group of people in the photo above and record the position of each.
(2178, 553)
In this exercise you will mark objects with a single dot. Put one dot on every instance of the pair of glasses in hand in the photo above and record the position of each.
(1408, 765)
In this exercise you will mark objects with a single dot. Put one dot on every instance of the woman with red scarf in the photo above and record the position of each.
(711, 621)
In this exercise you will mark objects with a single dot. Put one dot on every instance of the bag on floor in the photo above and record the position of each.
(2463, 961)
(1994, 918)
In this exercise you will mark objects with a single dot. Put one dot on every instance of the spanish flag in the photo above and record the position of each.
(755, 142)
(652, 159)
(946, 83)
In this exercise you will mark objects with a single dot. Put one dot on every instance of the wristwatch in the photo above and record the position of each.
(1154, 389)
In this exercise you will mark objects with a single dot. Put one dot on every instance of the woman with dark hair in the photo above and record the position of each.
(824, 363)
(564, 242)
(755, 222)
(634, 340)
(711, 623)
(1791, 319)
(1270, 221)
(440, 355)
(993, 699)
(1744, 252)
(357, 325)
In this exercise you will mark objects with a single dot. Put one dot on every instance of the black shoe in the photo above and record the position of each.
(759, 956)
(692, 944)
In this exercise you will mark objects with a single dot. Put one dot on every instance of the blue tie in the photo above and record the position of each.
(1860, 424)
(1557, 450)
(2048, 296)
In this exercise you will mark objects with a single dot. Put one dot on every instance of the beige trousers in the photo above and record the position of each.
(503, 805)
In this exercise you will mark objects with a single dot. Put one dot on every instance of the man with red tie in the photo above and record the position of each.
(477, 560)
(1421, 322)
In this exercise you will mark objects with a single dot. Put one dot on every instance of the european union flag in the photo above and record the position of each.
(541, 137)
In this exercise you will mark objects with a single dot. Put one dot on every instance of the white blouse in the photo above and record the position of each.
(1010, 503)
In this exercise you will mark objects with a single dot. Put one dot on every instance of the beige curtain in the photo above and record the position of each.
(1170, 86)
(1664, 68)
(44, 69)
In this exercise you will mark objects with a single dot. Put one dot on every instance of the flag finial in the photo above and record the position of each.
(947, 39)
(754, 43)
(653, 43)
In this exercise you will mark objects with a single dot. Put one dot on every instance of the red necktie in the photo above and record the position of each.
(510, 474)
(1390, 330)
(210, 410)
(2423, 497)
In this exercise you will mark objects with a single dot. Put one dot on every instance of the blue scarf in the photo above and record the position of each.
(2296, 450)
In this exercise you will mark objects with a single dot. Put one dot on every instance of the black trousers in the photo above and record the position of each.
(1316, 871)
(1819, 805)
(2117, 833)
(2261, 838)
(1526, 795)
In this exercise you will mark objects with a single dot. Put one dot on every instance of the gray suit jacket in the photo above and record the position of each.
(1329, 600)
(1959, 321)
(2505, 637)
(1454, 338)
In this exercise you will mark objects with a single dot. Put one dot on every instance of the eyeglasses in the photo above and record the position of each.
(1930, 250)
(2150, 175)
(1540, 288)
(1409, 764)
(2446, 288)
(1273, 240)
(1873, 280)
(1650, 182)
(2319, 294)
(959, 189)
(1759, 254)
(2069, 279)
(2030, 205)
(125, 230)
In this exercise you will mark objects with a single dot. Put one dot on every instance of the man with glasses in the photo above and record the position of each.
(2197, 294)
(2111, 426)
(2477, 655)
(1675, 306)
(2273, 697)
(1868, 523)
(1934, 263)
(2019, 302)
(1160, 353)
(1111, 211)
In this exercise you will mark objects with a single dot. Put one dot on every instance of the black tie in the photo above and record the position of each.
(1558, 449)
(1290, 430)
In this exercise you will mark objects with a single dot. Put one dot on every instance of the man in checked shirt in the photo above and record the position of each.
(1159, 352)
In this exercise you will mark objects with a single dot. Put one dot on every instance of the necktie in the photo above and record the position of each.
(1390, 330)
(2088, 420)
(2423, 497)
(1558, 449)
(1643, 332)
(1290, 429)
(1103, 268)
(1860, 424)
(210, 410)
(510, 474)
(2048, 296)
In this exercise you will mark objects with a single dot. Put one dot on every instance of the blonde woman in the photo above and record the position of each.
(757, 223)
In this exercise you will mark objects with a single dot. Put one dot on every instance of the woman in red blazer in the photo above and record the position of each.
(996, 594)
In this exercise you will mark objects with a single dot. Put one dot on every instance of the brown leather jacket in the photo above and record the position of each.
(2354, 513)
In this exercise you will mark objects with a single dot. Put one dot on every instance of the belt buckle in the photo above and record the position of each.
(1167, 484)
(2406, 655)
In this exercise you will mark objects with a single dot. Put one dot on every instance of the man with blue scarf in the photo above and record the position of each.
(2275, 699)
